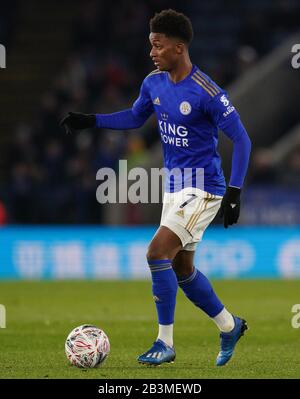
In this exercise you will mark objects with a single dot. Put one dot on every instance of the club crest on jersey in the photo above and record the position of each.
(185, 108)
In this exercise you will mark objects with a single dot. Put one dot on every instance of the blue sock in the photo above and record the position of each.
(199, 290)
(164, 289)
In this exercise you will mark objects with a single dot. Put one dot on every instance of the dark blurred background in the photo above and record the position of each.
(91, 56)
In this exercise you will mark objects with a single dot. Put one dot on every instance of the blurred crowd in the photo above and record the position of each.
(268, 171)
(52, 176)
(7, 17)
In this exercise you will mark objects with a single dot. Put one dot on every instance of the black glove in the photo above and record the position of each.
(77, 120)
(230, 206)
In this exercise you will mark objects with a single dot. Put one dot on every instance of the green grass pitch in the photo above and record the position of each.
(39, 316)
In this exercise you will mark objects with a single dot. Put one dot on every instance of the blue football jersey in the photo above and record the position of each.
(189, 114)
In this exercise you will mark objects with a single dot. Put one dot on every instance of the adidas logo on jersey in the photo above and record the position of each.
(156, 101)
(180, 213)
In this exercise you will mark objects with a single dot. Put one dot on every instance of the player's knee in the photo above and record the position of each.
(155, 253)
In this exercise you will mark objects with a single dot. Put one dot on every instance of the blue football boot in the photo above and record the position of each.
(159, 353)
(229, 340)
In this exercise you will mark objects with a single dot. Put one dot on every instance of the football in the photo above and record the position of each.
(87, 346)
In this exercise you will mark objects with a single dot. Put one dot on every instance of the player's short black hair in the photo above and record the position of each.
(172, 24)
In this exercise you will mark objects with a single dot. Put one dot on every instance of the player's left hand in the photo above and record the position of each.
(230, 206)
(77, 121)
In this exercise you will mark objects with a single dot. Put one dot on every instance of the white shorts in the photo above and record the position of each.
(188, 213)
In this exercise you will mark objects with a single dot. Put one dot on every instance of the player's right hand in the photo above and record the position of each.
(77, 120)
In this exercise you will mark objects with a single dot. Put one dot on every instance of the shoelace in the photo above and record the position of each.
(157, 347)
